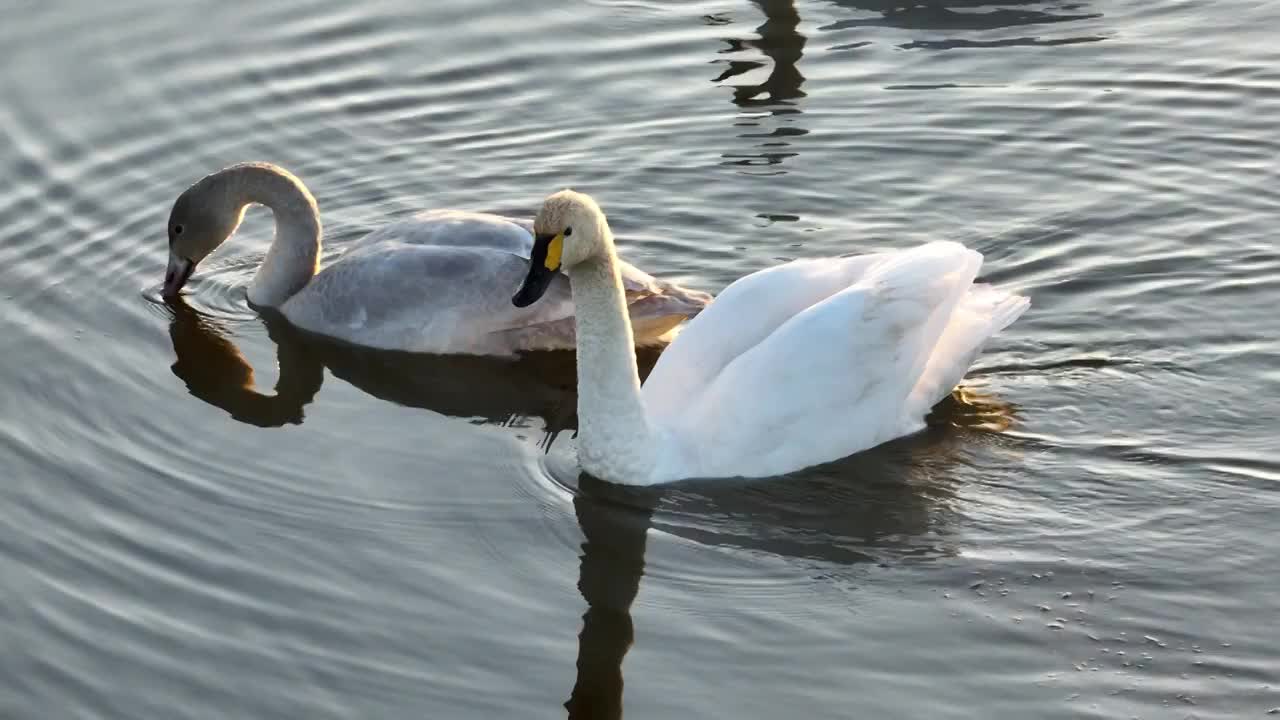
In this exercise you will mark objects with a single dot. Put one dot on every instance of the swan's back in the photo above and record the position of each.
(454, 228)
(815, 361)
(422, 298)
(441, 281)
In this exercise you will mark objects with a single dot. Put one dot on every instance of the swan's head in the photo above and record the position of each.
(568, 230)
(202, 218)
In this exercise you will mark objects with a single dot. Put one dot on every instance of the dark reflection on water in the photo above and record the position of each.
(886, 506)
(780, 41)
(216, 372)
(485, 389)
(779, 93)
(612, 563)
(872, 507)
(1012, 42)
(961, 16)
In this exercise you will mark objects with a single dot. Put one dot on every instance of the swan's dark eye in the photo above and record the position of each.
(177, 229)
(568, 231)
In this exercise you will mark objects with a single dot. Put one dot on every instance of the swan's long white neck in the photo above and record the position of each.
(294, 256)
(615, 441)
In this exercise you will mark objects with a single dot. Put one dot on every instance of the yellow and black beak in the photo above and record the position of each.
(543, 266)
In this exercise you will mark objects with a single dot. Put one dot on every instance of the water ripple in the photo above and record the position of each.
(234, 515)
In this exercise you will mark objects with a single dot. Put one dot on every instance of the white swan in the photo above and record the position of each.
(792, 366)
(434, 283)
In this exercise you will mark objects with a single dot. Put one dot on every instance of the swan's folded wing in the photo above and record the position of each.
(465, 229)
(744, 314)
(454, 228)
(423, 297)
(832, 379)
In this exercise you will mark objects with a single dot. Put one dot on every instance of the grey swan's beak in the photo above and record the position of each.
(176, 275)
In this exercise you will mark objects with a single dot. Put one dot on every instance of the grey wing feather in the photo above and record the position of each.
(442, 281)
(461, 228)
(455, 228)
(423, 297)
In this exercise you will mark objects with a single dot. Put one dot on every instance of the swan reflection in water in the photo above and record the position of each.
(216, 372)
(484, 389)
(889, 505)
(772, 99)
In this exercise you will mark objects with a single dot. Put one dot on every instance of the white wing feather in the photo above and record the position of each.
(828, 362)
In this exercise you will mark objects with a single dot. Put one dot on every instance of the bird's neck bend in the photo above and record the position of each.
(294, 256)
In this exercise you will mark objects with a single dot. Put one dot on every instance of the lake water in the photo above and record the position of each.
(204, 514)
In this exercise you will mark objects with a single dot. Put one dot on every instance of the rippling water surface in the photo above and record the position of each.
(206, 514)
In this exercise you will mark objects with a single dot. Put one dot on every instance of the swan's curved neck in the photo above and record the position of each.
(294, 256)
(614, 438)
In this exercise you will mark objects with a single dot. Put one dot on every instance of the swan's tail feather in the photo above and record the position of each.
(1009, 310)
(983, 312)
(1002, 306)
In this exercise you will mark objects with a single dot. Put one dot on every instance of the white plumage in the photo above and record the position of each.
(789, 367)
(814, 360)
